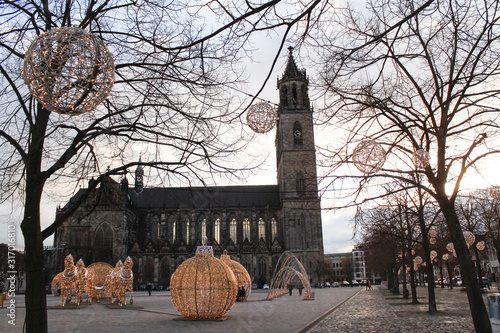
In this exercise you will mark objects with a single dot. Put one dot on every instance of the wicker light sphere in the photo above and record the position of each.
(481, 245)
(369, 156)
(469, 238)
(450, 247)
(69, 70)
(434, 255)
(203, 287)
(421, 158)
(243, 279)
(261, 117)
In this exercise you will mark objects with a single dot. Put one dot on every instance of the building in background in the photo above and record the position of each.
(161, 227)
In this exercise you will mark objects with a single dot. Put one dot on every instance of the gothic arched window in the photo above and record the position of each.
(104, 243)
(262, 229)
(284, 96)
(173, 231)
(155, 228)
(217, 231)
(274, 228)
(294, 94)
(300, 184)
(246, 229)
(203, 228)
(297, 133)
(232, 231)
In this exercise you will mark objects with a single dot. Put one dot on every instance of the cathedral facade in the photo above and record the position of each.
(159, 228)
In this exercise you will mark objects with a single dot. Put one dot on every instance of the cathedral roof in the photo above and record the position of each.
(207, 197)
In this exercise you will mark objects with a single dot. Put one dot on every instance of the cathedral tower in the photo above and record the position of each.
(296, 163)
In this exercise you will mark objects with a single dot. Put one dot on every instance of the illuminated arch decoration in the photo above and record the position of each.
(99, 281)
(287, 268)
(68, 70)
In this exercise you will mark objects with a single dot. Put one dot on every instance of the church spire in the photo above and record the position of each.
(291, 70)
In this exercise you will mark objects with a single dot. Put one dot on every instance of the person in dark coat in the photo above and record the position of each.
(149, 287)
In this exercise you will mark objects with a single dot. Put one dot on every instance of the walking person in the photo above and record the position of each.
(290, 288)
(149, 287)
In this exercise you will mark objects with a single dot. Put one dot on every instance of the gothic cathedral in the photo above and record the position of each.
(161, 227)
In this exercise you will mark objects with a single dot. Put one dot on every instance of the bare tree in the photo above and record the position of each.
(174, 102)
(424, 89)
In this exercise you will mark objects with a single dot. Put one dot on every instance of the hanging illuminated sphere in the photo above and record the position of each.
(261, 117)
(68, 70)
(418, 260)
(481, 245)
(203, 287)
(369, 156)
(446, 257)
(450, 247)
(421, 158)
(243, 279)
(434, 255)
(469, 238)
(433, 233)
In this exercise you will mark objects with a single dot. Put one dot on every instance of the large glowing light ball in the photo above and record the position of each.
(242, 277)
(68, 70)
(421, 158)
(261, 117)
(369, 156)
(203, 287)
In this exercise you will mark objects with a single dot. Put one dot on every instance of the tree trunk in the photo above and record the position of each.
(413, 286)
(36, 302)
(429, 267)
(441, 272)
(478, 267)
(450, 277)
(478, 310)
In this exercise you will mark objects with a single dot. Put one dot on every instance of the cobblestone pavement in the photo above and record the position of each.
(380, 310)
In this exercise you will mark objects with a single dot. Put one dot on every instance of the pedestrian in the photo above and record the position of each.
(369, 285)
(290, 288)
(149, 287)
(300, 288)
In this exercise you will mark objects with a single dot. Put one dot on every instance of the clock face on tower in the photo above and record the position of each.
(297, 133)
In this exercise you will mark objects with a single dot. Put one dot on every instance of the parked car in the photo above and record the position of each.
(266, 286)
(335, 284)
(486, 283)
(457, 282)
(345, 284)
(327, 284)
(254, 285)
(355, 283)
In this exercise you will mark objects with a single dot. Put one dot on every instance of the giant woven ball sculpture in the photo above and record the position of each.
(242, 277)
(369, 156)
(203, 287)
(261, 117)
(68, 70)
